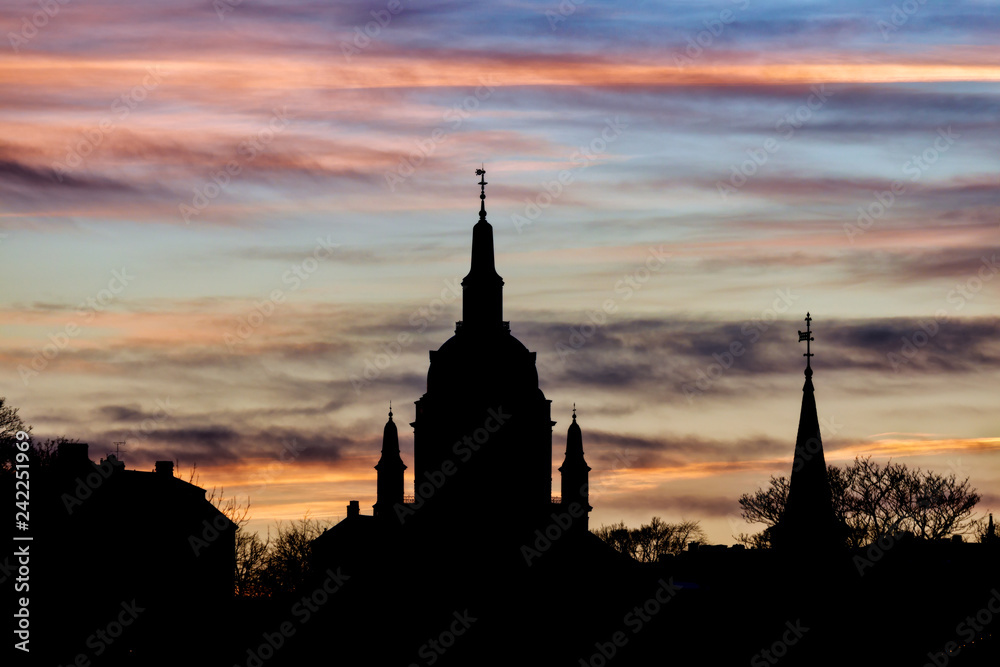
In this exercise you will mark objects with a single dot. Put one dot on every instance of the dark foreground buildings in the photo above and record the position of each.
(123, 566)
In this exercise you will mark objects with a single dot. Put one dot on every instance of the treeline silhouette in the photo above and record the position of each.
(874, 500)
(651, 541)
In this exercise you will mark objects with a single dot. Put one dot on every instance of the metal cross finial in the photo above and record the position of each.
(482, 182)
(482, 192)
(807, 337)
(574, 411)
(390, 409)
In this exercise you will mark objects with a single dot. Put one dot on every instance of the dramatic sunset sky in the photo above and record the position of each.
(231, 232)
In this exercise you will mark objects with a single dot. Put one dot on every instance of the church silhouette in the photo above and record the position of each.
(482, 445)
(482, 528)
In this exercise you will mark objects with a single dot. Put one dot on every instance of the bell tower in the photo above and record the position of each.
(390, 469)
(575, 475)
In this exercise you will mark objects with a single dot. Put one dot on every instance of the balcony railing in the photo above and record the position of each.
(409, 500)
(557, 500)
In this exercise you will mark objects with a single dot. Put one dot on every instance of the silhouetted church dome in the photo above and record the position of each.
(487, 362)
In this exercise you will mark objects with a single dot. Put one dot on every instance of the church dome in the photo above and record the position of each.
(493, 362)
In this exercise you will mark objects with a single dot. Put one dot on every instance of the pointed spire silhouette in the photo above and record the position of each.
(808, 518)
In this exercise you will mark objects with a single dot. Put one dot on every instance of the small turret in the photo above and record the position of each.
(390, 469)
(575, 477)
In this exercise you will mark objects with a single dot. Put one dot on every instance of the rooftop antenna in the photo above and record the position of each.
(119, 449)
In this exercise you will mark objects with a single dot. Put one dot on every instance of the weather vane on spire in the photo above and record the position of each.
(807, 337)
(482, 182)
(482, 192)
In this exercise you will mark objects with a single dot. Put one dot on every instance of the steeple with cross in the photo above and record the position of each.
(808, 521)
(482, 192)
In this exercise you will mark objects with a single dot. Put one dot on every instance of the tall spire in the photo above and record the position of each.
(808, 519)
(482, 288)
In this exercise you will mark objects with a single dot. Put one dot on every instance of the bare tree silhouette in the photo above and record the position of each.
(650, 542)
(875, 500)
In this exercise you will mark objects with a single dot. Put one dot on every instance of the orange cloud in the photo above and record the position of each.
(248, 75)
(915, 447)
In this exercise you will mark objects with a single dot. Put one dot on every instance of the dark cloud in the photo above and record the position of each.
(19, 177)
(205, 445)
(123, 413)
(673, 357)
(220, 445)
(612, 450)
(893, 267)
